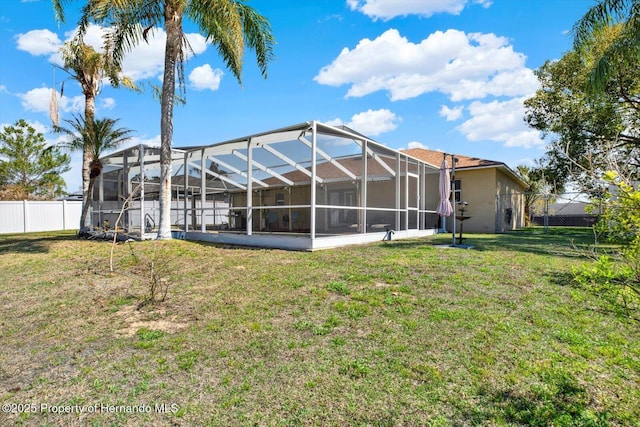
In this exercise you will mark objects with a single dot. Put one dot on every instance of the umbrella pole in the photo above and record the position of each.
(453, 200)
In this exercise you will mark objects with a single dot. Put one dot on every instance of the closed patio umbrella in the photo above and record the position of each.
(444, 206)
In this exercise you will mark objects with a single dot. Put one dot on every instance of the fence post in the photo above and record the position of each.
(24, 216)
(546, 213)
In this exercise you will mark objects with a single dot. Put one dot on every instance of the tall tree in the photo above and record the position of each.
(588, 132)
(622, 51)
(29, 168)
(229, 25)
(95, 138)
(89, 68)
(598, 122)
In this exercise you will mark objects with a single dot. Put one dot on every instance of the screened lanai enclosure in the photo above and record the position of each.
(303, 187)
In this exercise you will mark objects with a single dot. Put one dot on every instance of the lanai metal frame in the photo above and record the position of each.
(306, 187)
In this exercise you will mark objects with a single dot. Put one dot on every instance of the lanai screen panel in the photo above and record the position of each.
(283, 164)
(413, 180)
(226, 167)
(382, 175)
(339, 168)
(202, 193)
(124, 178)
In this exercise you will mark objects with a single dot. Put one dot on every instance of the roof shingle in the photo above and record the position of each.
(435, 158)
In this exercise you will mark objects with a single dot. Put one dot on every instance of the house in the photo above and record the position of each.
(493, 191)
(304, 187)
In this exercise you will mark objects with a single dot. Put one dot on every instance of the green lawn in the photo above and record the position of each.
(397, 333)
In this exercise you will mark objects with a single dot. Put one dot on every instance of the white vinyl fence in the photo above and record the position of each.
(28, 216)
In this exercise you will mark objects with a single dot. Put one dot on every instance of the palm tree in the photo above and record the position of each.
(228, 25)
(86, 66)
(93, 138)
(535, 191)
(621, 51)
(89, 68)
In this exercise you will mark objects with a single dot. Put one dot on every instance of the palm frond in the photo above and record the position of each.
(601, 13)
(58, 10)
(221, 23)
(608, 37)
(127, 20)
(259, 37)
(97, 136)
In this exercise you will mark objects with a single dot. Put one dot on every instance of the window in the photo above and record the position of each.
(279, 199)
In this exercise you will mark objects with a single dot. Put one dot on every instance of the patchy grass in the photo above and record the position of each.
(395, 333)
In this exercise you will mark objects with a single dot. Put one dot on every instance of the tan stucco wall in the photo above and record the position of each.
(510, 196)
(479, 190)
(489, 193)
(432, 193)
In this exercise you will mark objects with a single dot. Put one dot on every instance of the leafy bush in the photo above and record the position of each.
(617, 278)
(612, 279)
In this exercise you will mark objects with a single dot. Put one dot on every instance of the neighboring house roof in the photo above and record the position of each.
(435, 158)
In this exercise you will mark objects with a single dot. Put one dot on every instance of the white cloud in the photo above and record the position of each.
(39, 42)
(463, 66)
(39, 127)
(38, 100)
(511, 83)
(93, 36)
(198, 45)
(500, 121)
(388, 9)
(205, 77)
(370, 122)
(153, 141)
(417, 144)
(107, 103)
(451, 114)
(144, 61)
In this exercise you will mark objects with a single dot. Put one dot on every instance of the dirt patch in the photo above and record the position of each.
(135, 319)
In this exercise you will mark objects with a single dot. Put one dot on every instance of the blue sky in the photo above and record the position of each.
(447, 75)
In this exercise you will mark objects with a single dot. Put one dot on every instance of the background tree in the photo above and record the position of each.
(537, 189)
(588, 132)
(28, 167)
(597, 119)
(229, 25)
(95, 138)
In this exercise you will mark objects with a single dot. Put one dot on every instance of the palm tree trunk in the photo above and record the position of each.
(87, 203)
(173, 27)
(89, 116)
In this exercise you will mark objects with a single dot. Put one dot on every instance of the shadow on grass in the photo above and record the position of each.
(570, 242)
(561, 278)
(406, 244)
(555, 397)
(33, 243)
